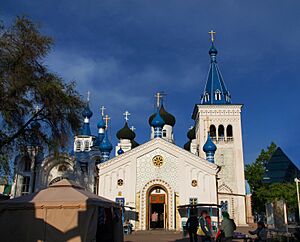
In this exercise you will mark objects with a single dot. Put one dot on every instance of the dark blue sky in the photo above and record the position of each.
(125, 51)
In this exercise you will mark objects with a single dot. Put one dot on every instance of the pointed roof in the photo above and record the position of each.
(215, 91)
(280, 168)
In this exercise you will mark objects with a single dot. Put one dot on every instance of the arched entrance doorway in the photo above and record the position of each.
(157, 207)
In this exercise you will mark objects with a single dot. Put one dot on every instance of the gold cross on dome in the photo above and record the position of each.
(106, 119)
(159, 96)
(212, 33)
(126, 115)
(102, 108)
(88, 96)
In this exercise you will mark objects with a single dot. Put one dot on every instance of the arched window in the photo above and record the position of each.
(206, 97)
(212, 131)
(217, 95)
(78, 145)
(229, 132)
(164, 133)
(221, 132)
(86, 145)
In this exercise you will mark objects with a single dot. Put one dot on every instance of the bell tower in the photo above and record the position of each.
(216, 116)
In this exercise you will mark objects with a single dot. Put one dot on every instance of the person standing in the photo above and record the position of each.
(205, 231)
(228, 227)
(192, 225)
(154, 219)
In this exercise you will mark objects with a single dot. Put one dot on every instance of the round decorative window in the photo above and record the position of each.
(120, 182)
(194, 183)
(158, 160)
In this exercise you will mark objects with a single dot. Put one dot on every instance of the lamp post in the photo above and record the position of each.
(298, 198)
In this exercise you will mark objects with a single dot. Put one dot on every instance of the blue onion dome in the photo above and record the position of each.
(157, 121)
(167, 117)
(213, 50)
(134, 144)
(187, 146)
(191, 134)
(87, 113)
(209, 146)
(101, 123)
(125, 133)
(105, 145)
(120, 151)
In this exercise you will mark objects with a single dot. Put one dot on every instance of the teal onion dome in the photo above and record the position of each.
(209, 146)
(87, 113)
(167, 117)
(120, 151)
(191, 134)
(105, 145)
(125, 133)
(157, 121)
(101, 124)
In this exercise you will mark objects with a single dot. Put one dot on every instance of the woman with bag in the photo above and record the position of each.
(203, 229)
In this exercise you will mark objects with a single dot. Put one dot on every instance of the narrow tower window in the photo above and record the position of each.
(229, 132)
(212, 131)
(27, 164)
(206, 97)
(218, 95)
(78, 145)
(86, 145)
(221, 132)
(164, 133)
(25, 185)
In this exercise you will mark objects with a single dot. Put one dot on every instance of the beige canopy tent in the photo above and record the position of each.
(62, 212)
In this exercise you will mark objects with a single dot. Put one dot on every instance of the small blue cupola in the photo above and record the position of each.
(101, 129)
(157, 123)
(105, 147)
(120, 151)
(209, 148)
(215, 91)
(87, 114)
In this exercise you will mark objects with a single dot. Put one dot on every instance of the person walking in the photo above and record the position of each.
(261, 232)
(228, 227)
(192, 225)
(205, 232)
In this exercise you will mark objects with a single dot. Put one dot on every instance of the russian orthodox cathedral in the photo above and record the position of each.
(157, 176)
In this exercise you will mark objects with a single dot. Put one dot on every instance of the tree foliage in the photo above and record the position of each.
(36, 104)
(254, 174)
(279, 191)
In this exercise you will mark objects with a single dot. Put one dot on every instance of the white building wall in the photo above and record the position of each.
(229, 154)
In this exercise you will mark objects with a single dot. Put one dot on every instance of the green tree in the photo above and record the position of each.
(36, 104)
(254, 174)
(279, 191)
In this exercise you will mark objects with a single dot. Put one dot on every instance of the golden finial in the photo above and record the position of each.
(212, 33)
(106, 119)
(159, 96)
(126, 115)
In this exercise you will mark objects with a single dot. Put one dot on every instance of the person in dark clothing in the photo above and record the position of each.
(261, 232)
(192, 225)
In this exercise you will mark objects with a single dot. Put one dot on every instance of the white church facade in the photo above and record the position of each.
(157, 176)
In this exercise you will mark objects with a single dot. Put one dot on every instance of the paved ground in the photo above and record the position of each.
(164, 236)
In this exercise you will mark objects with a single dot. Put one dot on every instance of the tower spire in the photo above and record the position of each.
(215, 91)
